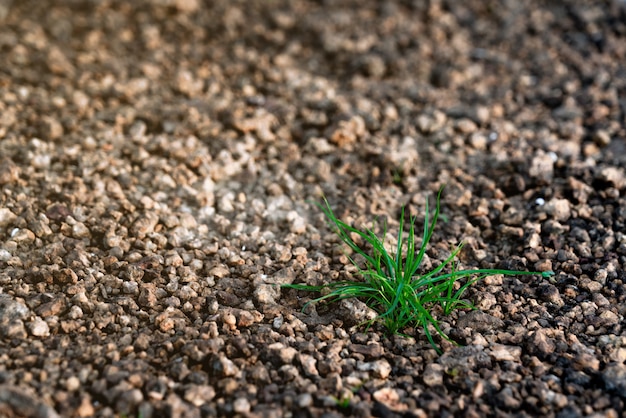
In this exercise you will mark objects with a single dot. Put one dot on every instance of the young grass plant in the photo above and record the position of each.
(393, 284)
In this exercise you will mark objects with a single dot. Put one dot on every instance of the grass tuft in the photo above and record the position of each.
(393, 285)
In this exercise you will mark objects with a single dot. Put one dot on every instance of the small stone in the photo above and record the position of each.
(72, 383)
(50, 128)
(284, 355)
(229, 319)
(52, 308)
(387, 396)
(601, 138)
(304, 400)
(198, 395)
(130, 288)
(308, 364)
(507, 400)
(586, 359)
(614, 377)
(348, 131)
(356, 310)
(246, 318)
(289, 372)
(40, 228)
(433, 375)
(380, 368)
(39, 328)
(592, 286)
(478, 141)
(471, 357)
(241, 406)
(425, 124)
(619, 355)
(220, 271)
(465, 126)
(23, 236)
(185, 82)
(144, 225)
(147, 296)
(12, 314)
(58, 212)
(373, 65)
(128, 399)
(187, 6)
(541, 167)
(164, 323)
(540, 343)
(543, 265)
(609, 318)
(373, 350)
(297, 223)
(559, 209)
(65, 276)
(501, 352)
(259, 373)
(225, 367)
(58, 63)
(6, 217)
(266, 293)
(5, 255)
(550, 293)
(479, 321)
(612, 175)
(142, 342)
(85, 409)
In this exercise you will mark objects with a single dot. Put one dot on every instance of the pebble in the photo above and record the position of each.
(51, 308)
(501, 352)
(199, 395)
(144, 225)
(23, 236)
(304, 400)
(541, 167)
(508, 400)
(471, 357)
(12, 314)
(50, 128)
(241, 406)
(433, 375)
(540, 343)
(4, 255)
(479, 321)
(284, 355)
(614, 378)
(381, 369)
(39, 328)
(559, 209)
(225, 367)
(6, 217)
(9, 171)
(387, 396)
(371, 351)
(309, 364)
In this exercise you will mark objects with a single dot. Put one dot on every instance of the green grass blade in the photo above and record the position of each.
(391, 284)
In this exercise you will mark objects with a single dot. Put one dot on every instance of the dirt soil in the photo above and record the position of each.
(158, 160)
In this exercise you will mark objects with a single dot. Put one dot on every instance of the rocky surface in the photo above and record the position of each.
(158, 160)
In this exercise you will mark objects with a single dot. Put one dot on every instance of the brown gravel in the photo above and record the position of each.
(157, 163)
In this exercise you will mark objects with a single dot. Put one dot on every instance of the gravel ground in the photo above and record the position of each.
(158, 160)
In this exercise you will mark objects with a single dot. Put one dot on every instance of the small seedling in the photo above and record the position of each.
(393, 285)
(343, 402)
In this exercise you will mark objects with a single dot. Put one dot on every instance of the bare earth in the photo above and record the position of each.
(158, 160)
